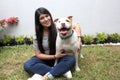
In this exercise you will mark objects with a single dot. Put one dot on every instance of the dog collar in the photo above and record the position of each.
(67, 36)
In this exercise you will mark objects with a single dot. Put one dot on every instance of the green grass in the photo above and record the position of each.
(100, 63)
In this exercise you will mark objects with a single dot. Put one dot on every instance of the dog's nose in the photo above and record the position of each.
(63, 24)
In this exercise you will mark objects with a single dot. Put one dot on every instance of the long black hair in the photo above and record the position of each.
(39, 31)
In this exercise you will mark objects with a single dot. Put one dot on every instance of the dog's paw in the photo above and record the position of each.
(81, 56)
(77, 69)
(29, 79)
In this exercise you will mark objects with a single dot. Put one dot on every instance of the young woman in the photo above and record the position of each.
(45, 47)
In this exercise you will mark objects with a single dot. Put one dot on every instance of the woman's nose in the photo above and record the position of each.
(46, 18)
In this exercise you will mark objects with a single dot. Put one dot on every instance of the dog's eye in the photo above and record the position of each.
(67, 21)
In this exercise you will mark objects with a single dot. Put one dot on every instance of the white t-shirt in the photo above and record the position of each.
(45, 44)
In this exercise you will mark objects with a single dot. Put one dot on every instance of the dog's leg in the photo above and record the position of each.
(76, 65)
(81, 51)
(55, 61)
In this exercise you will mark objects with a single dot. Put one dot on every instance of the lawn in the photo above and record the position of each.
(99, 63)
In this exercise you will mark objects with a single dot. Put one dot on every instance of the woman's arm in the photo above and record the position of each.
(47, 56)
(43, 56)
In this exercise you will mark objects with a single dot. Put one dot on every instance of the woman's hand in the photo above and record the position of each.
(60, 54)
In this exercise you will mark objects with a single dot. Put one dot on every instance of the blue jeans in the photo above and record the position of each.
(36, 65)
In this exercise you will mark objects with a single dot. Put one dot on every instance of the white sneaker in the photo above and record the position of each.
(68, 74)
(35, 77)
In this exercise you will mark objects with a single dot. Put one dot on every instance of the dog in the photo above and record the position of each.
(67, 38)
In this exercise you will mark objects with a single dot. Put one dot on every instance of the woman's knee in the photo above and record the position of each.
(26, 66)
(72, 60)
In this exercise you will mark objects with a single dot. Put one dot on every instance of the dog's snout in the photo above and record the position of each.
(63, 24)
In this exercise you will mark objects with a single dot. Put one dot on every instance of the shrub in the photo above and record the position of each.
(31, 39)
(114, 37)
(6, 40)
(101, 37)
(13, 42)
(1, 43)
(20, 39)
(88, 39)
(28, 40)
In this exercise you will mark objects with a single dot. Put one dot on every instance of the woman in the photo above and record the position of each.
(44, 45)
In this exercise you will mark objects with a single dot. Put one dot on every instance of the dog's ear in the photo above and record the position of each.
(70, 17)
(56, 20)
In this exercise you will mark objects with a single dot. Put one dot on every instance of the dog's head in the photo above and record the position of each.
(64, 25)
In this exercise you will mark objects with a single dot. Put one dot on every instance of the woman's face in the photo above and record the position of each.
(45, 20)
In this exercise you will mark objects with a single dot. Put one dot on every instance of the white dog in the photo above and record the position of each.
(67, 38)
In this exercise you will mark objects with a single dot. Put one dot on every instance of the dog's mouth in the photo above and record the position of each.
(64, 31)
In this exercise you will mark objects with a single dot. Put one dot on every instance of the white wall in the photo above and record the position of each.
(93, 15)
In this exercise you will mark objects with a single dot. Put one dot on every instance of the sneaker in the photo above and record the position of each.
(68, 74)
(44, 78)
(35, 77)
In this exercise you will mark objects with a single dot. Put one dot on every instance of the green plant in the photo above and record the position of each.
(13, 42)
(88, 39)
(1, 43)
(6, 40)
(115, 37)
(31, 38)
(101, 37)
(28, 40)
(20, 39)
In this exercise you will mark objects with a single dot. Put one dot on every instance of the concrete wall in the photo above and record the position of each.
(93, 15)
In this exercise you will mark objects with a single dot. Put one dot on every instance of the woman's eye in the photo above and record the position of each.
(41, 18)
(47, 16)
